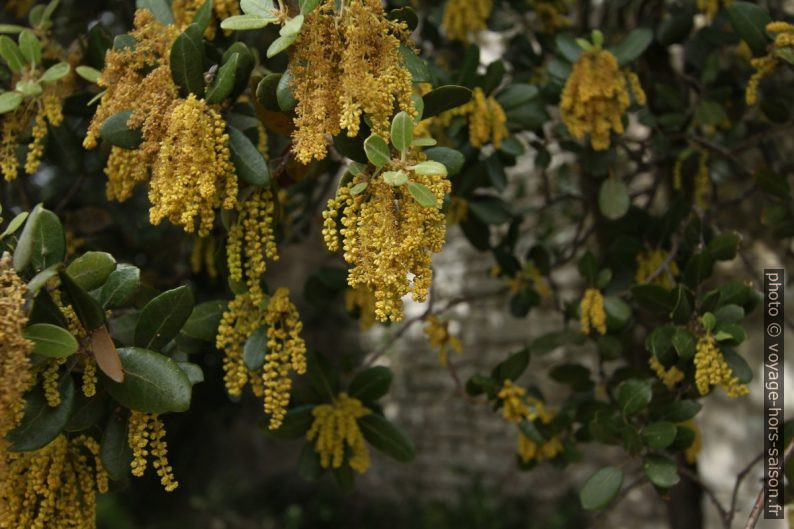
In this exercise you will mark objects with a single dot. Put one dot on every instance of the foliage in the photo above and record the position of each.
(655, 151)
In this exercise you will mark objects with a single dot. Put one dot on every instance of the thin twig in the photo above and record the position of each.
(739, 478)
(758, 506)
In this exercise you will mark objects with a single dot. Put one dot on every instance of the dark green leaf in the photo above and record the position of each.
(684, 343)
(120, 286)
(377, 150)
(601, 488)
(661, 471)
(91, 270)
(371, 384)
(187, 62)
(255, 349)
(659, 435)
(153, 383)
(203, 321)
(567, 47)
(223, 84)
(633, 45)
(653, 298)
(284, 96)
(114, 450)
(445, 98)
(513, 366)
(453, 160)
(42, 423)
(724, 246)
(420, 73)
(163, 317)
(159, 8)
(42, 242)
(634, 395)
(266, 92)
(386, 437)
(116, 132)
(296, 423)
(10, 53)
(50, 340)
(749, 20)
(249, 163)
(88, 310)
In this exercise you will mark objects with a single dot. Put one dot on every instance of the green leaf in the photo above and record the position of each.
(618, 312)
(430, 167)
(395, 178)
(516, 95)
(451, 159)
(402, 131)
(187, 62)
(371, 384)
(247, 22)
(739, 367)
(653, 298)
(749, 20)
(404, 14)
(255, 349)
(490, 209)
(680, 410)
(223, 84)
(697, 269)
(512, 367)
(684, 343)
(445, 98)
(309, 463)
(29, 88)
(120, 286)
(601, 488)
(307, 6)
(114, 449)
(42, 242)
(709, 321)
(163, 317)
(245, 65)
(11, 28)
(576, 376)
(284, 96)
(159, 8)
(249, 163)
(423, 196)
(30, 46)
(204, 320)
(266, 92)
(91, 270)
(193, 371)
(10, 53)
(420, 73)
(56, 72)
(153, 383)
(386, 437)
(724, 246)
(203, 16)
(661, 471)
(659, 435)
(424, 142)
(634, 395)
(295, 424)
(568, 47)
(281, 44)
(729, 314)
(116, 132)
(613, 199)
(633, 45)
(377, 150)
(86, 412)
(9, 101)
(773, 183)
(323, 377)
(358, 188)
(14, 225)
(264, 8)
(88, 310)
(50, 340)
(42, 423)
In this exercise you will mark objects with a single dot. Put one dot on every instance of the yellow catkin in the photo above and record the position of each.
(346, 65)
(54, 486)
(335, 430)
(702, 190)
(251, 240)
(50, 381)
(193, 173)
(529, 275)
(591, 312)
(486, 120)
(551, 15)
(648, 264)
(441, 339)
(514, 406)
(146, 437)
(457, 211)
(185, 11)
(387, 237)
(15, 366)
(89, 377)
(710, 7)
(285, 353)
(669, 377)
(49, 111)
(529, 450)
(361, 300)
(596, 97)
(711, 369)
(784, 41)
(463, 19)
